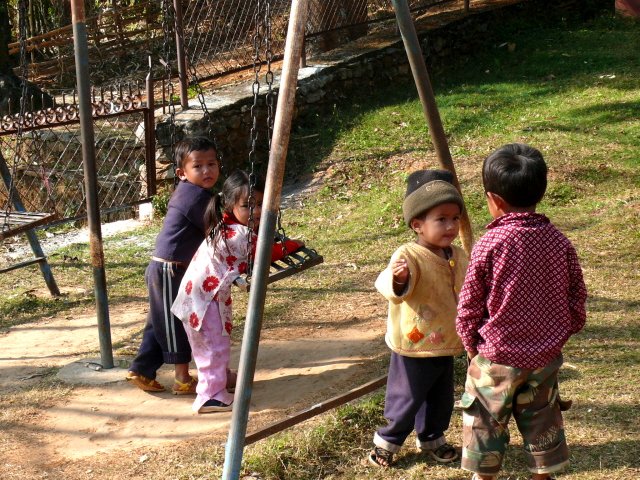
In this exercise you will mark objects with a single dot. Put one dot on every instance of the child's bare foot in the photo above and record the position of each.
(182, 374)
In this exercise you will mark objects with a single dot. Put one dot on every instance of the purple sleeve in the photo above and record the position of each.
(183, 226)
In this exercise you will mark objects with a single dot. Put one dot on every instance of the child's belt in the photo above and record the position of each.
(172, 262)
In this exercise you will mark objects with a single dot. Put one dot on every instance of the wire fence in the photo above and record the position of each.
(47, 173)
(218, 34)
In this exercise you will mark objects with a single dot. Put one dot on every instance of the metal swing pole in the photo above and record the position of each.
(429, 106)
(268, 222)
(90, 180)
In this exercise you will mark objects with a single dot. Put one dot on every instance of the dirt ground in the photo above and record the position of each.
(104, 416)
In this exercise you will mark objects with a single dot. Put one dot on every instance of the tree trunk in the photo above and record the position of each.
(5, 38)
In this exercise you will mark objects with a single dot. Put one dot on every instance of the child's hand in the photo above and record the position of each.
(400, 271)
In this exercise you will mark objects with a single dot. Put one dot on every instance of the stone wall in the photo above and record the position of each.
(335, 75)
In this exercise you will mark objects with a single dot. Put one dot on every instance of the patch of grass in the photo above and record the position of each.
(319, 451)
(570, 91)
(25, 297)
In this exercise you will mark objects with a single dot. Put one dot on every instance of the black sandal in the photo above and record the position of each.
(439, 454)
(380, 457)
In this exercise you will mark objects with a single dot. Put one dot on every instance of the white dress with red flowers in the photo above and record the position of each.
(210, 276)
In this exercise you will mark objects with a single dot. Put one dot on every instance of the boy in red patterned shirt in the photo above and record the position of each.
(522, 298)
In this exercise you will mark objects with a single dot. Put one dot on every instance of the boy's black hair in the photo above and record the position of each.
(517, 172)
(191, 144)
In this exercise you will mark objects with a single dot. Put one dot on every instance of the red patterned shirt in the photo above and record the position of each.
(523, 294)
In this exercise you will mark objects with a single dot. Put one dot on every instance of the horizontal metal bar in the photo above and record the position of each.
(26, 263)
(316, 410)
(102, 212)
(71, 122)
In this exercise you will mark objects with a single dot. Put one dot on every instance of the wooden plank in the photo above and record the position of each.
(17, 218)
(308, 263)
(15, 224)
(295, 262)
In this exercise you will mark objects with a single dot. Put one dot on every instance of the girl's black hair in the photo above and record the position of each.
(234, 187)
(517, 172)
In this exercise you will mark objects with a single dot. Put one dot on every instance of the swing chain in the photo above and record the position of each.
(270, 101)
(268, 54)
(168, 20)
(258, 39)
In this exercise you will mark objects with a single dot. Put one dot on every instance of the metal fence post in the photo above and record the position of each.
(90, 180)
(268, 222)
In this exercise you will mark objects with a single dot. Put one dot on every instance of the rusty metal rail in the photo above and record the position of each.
(316, 409)
(104, 103)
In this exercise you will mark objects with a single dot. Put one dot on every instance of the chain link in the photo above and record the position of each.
(270, 101)
(207, 115)
(258, 39)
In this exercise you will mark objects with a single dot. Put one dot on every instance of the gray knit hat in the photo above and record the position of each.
(427, 189)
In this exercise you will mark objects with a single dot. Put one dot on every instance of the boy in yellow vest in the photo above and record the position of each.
(422, 282)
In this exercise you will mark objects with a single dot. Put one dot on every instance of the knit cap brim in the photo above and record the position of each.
(427, 196)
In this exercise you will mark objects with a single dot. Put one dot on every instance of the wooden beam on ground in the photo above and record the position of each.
(26, 263)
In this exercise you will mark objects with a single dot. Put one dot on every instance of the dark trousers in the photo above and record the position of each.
(419, 396)
(164, 339)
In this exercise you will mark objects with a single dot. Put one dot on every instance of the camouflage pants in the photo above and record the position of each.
(493, 393)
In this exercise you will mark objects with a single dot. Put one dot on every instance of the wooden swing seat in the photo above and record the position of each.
(294, 262)
(14, 223)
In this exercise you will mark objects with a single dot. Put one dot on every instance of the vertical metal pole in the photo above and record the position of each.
(466, 6)
(150, 135)
(429, 106)
(45, 269)
(90, 180)
(268, 222)
(180, 55)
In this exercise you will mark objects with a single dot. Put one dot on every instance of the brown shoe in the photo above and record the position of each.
(144, 383)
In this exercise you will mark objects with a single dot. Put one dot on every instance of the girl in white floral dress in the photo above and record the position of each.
(204, 299)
